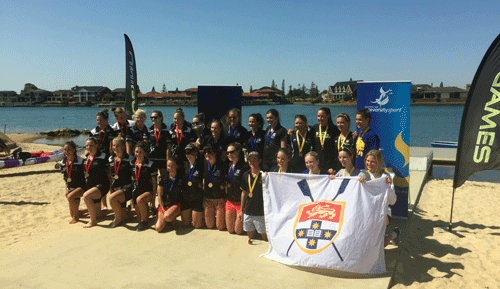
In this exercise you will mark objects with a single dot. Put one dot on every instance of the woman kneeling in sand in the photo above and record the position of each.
(72, 169)
(169, 195)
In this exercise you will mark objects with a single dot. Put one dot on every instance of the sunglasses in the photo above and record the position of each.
(154, 117)
(231, 152)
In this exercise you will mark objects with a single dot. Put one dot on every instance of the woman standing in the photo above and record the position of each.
(103, 131)
(275, 138)
(236, 167)
(144, 185)
(192, 193)
(256, 135)
(159, 136)
(235, 131)
(97, 181)
(123, 127)
(121, 186)
(213, 186)
(326, 134)
(180, 136)
(301, 141)
(139, 131)
(72, 168)
(367, 140)
(217, 140)
(346, 137)
(169, 195)
(200, 128)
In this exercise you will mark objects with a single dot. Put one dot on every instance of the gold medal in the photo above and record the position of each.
(115, 177)
(322, 147)
(190, 183)
(86, 175)
(228, 185)
(69, 180)
(300, 154)
(210, 185)
(133, 179)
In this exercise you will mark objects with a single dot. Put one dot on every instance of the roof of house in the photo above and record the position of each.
(445, 89)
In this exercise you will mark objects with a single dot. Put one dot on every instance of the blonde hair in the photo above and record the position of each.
(313, 154)
(140, 112)
(120, 140)
(377, 154)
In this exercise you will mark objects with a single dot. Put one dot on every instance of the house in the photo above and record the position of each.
(116, 95)
(263, 93)
(89, 93)
(426, 91)
(61, 96)
(8, 96)
(344, 90)
(37, 95)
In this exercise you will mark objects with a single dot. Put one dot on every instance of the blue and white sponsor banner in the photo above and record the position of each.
(389, 105)
(315, 221)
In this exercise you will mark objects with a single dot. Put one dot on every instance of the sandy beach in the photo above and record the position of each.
(41, 250)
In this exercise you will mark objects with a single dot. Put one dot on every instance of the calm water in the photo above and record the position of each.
(427, 123)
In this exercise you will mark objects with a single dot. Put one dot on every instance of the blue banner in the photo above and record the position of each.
(389, 106)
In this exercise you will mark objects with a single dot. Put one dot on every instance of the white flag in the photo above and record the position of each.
(315, 221)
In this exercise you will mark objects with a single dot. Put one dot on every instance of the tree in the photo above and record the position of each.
(441, 85)
(164, 88)
(283, 87)
(251, 89)
(314, 93)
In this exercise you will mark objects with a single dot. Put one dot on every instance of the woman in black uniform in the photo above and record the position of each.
(346, 137)
(103, 131)
(72, 168)
(144, 185)
(236, 167)
(200, 128)
(217, 140)
(301, 140)
(121, 185)
(326, 134)
(213, 186)
(192, 193)
(275, 138)
(256, 135)
(235, 131)
(123, 127)
(169, 194)
(180, 136)
(97, 181)
(139, 131)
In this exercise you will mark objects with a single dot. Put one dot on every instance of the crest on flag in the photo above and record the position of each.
(317, 225)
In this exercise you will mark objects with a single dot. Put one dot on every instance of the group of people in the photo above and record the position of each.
(209, 173)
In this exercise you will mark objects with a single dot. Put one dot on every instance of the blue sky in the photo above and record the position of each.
(60, 44)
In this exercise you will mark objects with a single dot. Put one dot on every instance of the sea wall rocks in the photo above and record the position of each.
(65, 132)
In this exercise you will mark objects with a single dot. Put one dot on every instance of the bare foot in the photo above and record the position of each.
(89, 224)
(73, 221)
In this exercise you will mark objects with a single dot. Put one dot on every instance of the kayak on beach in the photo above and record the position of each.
(34, 158)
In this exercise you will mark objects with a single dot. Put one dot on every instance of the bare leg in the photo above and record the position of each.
(116, 199)
(238, 225)
(197, 219)
(230, 221)
(142, 205)
(172, 213)
(74, 203)
(221, 217)
(160, 222)
(93, 207)
(186, 217)
(210, 217)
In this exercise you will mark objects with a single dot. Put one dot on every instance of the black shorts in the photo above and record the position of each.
(196, 205)
(127, 190)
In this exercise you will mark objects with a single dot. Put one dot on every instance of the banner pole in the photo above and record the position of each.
(451, 213)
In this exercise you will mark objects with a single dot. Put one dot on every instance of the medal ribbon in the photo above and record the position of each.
(252, 186)
(69, 168)
(322, 139)
(137, 171)
(171, 186)
(157, 136)
(191, 171)
(117, 167)
(140, 132)
(349, 173)
(231, 137)
(230, 174)
(87, 164)
(101, 139)
(216, 146)
(179, 135)
(339, 144)
(202, 136)
(301, 147)
(253, 142)
(211, 172)
(126, 128)
(269, 135)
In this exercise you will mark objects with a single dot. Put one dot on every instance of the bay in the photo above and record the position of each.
(427, 123)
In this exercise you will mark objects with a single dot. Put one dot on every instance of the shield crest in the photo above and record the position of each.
(317, 225)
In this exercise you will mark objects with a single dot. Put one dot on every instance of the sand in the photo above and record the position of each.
(41, 250)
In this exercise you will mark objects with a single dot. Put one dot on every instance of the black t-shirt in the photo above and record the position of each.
(297, 162)
(193, 185)
(328, 153)
(104, 137)
(217, 172)
(272, 145)
(124, 170)
(75, 172)
(137, 134)
(172, 192)
(254, 206)
(125, 130)
(256, 142)
(233, 180)
(97, 170)
(158, 140)
(277, 168)
(144, 173)
(219, 146)
(239, 135)
(180, 140)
